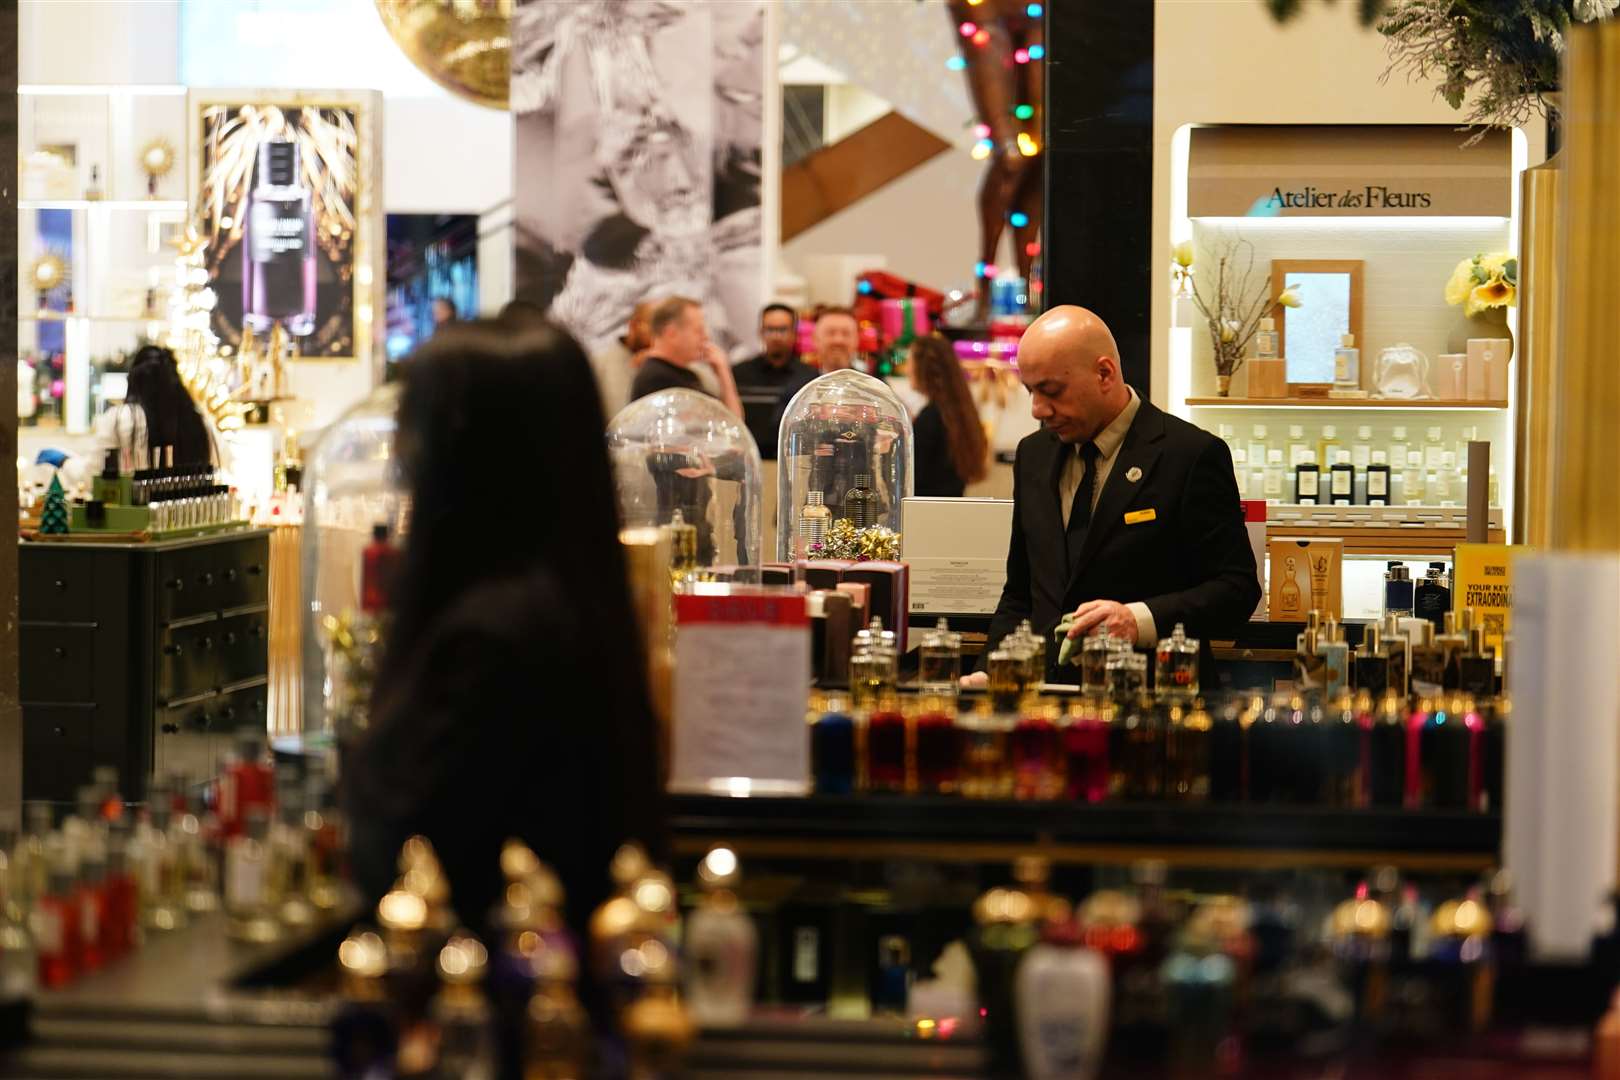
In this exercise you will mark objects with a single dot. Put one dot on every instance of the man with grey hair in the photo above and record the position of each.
(680, 344)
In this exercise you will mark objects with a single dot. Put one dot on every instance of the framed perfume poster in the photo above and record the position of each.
(286, 207)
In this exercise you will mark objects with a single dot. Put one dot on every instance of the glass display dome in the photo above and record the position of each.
(352, 489)
(682, 452)
(843, 453)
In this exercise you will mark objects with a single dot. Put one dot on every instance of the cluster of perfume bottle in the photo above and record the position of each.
(1147, 974)
(1348, 735)
(861, 506)
(77, 895)
(1402, 655)
(1328, 472)
(178, 497)
(426, 997)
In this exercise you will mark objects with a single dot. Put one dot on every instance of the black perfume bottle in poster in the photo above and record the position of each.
(278, 244)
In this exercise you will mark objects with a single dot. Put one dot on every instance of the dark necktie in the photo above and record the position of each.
(1080, 512)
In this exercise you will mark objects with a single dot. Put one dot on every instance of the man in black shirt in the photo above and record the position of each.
(680, 342)
(769, 380)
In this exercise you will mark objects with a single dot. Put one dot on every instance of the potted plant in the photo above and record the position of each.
(1485, 286)
(1232, 305)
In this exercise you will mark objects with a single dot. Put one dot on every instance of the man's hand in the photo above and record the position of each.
(1104, 613)
(976, 681)
(714, 358)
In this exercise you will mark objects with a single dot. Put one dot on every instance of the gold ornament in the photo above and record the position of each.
(48, 271)
(463, 45)
(157, 158)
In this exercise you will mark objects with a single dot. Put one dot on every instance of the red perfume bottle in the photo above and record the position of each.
(246, 783)
(377, 566)
(886, 748)
(90, 894)
(1037, 755)
(939, 748)
(1085, 750)
(55, 921)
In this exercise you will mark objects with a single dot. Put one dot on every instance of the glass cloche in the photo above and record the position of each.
(680, 452)
(844, 453)
(354, 499)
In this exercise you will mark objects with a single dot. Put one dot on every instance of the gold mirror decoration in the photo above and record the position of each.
(463, 45)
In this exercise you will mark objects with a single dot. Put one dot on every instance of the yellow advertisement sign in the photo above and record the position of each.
(1482, 579)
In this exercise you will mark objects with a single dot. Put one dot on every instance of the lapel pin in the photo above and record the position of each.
(1133, 474)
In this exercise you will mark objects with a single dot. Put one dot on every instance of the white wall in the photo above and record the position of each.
(444, 155)
(1225, 62)
(97, 42)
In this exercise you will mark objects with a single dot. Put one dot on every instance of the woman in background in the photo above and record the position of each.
(511, 700)
(948, 440)
(158, 412)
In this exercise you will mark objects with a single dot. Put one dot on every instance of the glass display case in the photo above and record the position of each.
(682, 453)
(355, 512)
(844, 454)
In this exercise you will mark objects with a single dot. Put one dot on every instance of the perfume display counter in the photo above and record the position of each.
(955, 830)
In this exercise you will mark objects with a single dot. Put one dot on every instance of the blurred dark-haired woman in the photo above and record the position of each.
(948, 439)
(511, 700)
(158, 413)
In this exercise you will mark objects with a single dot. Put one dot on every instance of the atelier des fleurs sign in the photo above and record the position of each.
(1260, 171)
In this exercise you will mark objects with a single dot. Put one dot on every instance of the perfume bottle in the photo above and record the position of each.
(1378, 487)
(1036, 752)
(1265, 340)
(1310, 665)
(1361, 449)
(1187, 748)
(1271, 485)
(278, 244)
(1431, 597)
(1297, 446)
(247, 783)
(861, 503)
(1347, 364)
(1127, 674)
(248, 902)
(1063, 992)
(460, 1012)
(379, 562)
(1399, 647)
(1452, 642)
(1257, 445)
(1003, 669)
(1448, 758)
(93, 192)
(1428, 670)
(1136, 755)
(887, 750)
(1348, 721)
(1433, 449)
(985, 773)
(832, 748)
(939, 666)
(1327, 447)
(1342, 480)
(1227, 752)
(1398, 594)
(54, 920)
(719, 946)
(1412, 479)
(938, 741)
(19, 961)
(1372, 664)
(1288, 595)
(1095, 649)
(1085, 747)
(1398, 446)
(814, 518)
(1307, 479)
(1176, 667)
(1476, 667)
(290, 855)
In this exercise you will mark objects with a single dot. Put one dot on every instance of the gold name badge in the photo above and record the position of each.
(1136, 517)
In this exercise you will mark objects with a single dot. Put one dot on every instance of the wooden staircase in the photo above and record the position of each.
(836, 177)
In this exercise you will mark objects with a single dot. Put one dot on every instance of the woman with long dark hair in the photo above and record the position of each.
(511, 700)
(158, 412)
(948, 440)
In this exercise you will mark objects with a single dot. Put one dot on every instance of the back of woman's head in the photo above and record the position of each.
(501, 443)
(171, 415)
(940, 377)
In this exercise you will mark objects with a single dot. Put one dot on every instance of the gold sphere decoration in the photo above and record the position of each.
(48, 271)
(157, 157)
(463, 45)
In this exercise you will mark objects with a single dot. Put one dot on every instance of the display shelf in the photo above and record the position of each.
(166, 205)
(1354, 404)
(67, 316)
(948, 829)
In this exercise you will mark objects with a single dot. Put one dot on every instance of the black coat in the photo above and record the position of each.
(1190, 562)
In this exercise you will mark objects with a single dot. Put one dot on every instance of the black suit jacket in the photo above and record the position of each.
(1190, 563)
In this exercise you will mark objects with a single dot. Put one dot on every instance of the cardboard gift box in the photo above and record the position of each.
(1306, 575)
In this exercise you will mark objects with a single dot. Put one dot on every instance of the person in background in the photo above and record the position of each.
(680, 343)
(837, 339)
(511, 699)
(769, 380)
(615, 365)
(444, 311)
(948, 440)
(158, 411)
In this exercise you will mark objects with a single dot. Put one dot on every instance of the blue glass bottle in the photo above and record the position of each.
(832, 748)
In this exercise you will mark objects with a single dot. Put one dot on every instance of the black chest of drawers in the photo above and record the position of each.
(145, 657)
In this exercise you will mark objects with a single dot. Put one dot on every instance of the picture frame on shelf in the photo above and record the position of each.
(1330, 292)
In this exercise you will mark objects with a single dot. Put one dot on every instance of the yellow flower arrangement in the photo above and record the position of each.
(1485, 281)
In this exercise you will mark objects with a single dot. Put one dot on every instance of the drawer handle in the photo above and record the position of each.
(207, 644)
(60, 583)
(169, 729)
(257, 633)
(171, 650)
(175, 585)
(206, 580)
(229, 713)
(255, 570)
(59, 729)
(202, 721)
(230, 637)
(231, 575)
(59, 652)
